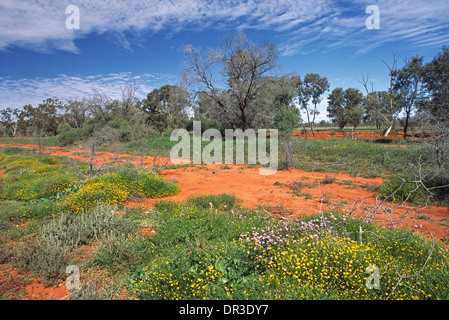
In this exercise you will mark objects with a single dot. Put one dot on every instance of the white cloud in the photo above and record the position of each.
(20, 92)
(40, 24)
(413, 22)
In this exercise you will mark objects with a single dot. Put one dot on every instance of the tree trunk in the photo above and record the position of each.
(353, 132)
(92, 155)
(407, 116)
(313, 131)
(39, 145)
(387, 131)
(313, 121)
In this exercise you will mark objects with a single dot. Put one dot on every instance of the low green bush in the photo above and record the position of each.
(220, 202)
(51, 252)
(319, 257)
(139, 182)
(68, 135)
(401, 189)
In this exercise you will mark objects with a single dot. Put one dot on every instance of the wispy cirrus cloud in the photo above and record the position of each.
(301, 24)
(40, 24)
(16, 93)
(410, 23)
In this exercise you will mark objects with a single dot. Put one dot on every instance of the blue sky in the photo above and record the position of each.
(141, 42)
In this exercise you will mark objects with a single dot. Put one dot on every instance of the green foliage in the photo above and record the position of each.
(68, 135)
(206, 123)
(140, 182)
(345, 106)
(400, 189)
(118, 187)
(51, 252)
(224, 202)
(321, 257)
(12, 150)
(28, 178)
(51, 188)
(362, 158)
(287, 119)
(31, 186)
(165, 107)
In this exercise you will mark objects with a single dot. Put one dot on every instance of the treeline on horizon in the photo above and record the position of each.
(238, 85)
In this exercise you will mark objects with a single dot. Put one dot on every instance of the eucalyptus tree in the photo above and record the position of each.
(310, 93)
(235, 77)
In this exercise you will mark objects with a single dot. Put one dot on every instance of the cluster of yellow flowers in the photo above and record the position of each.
(92, 193)
(302, 266)
(162, 284)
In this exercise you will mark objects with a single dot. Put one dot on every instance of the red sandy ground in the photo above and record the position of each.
(255, 190)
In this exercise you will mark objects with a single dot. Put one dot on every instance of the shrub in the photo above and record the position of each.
(318, 258)
(220, 202)
(36, 185)
(12, 150)
(92, 193)
(117, 250)
(328, 180)
(48, 258)
(138, 182)
(50, 254)
(37, 209)
(206, 123)
(76, 230)
(68, 135)
(399, 190)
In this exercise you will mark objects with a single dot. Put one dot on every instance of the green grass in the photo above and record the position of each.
(210, 247)
(45, 141)
(48, 186)
(359, 158)
(356, 157)
(199, 254)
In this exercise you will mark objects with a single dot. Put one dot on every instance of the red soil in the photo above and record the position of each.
(255, 190)
(12, 282)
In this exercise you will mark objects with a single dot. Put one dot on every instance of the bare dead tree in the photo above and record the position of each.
(392, 82)
(237, 85)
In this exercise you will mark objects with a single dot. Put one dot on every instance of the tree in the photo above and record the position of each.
(336, 107)
(76, 112)
(10, 119)
(409, 87)
(376, 104)
(239, 92)
(310, 90)
(345, 106)
(100, 136)
(287, 116)
(394, 105)
(165, 107)
(435, 78)
(43, 119)
(286, 119)
(354, 108)
(101, 107)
